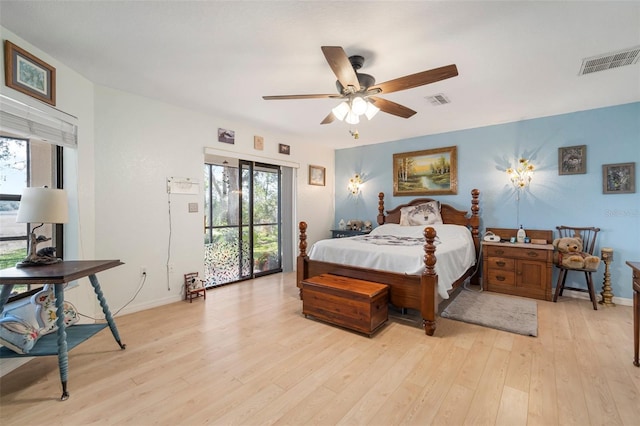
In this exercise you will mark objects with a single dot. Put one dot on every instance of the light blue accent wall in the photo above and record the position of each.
(612, 135)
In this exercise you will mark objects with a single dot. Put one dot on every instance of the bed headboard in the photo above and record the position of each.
(449, 214)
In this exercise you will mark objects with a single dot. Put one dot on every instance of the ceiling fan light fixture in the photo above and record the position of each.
(358, 105)
(371, 110)
(341, 110)
(352, 118)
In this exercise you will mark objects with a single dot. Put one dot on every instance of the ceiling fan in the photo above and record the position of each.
(359, 90)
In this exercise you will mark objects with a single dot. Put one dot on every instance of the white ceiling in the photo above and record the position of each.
(516, 60)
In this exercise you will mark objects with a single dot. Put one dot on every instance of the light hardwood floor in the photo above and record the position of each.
(247, 356)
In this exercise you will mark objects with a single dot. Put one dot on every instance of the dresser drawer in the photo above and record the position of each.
(501, 277)
(501, 263)
(519, 252)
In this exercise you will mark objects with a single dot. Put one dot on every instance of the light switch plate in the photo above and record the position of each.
(193, 207)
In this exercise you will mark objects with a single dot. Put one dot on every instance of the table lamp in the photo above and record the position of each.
(41, 205)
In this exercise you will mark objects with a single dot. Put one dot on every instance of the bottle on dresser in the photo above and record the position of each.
(521, 235)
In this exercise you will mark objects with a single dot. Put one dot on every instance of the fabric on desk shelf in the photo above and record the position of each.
(47, 344)
(17, 334)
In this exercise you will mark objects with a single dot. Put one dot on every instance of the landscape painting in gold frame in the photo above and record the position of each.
(428, 172)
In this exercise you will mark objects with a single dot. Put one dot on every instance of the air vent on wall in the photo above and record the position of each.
(610, 60)
(438, 99)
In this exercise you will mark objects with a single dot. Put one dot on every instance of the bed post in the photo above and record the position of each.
(474, 222)
(429, 283)
(302, 265)
(381, 208)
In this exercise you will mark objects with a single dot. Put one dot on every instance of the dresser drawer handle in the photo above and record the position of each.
(501, 263)
(533, 254)
(499, 251)
(499, 278)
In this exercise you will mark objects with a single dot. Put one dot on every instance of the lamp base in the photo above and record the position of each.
(38, 261)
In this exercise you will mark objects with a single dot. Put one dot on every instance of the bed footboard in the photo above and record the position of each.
(417, 292)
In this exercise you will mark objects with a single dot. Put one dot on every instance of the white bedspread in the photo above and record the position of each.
(455, 252)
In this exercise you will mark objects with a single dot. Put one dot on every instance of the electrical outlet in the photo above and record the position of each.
(143, 270)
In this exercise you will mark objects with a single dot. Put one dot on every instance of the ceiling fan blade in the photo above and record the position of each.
(283, 97)
(341, 66)
(391, 107)
(418, 79)
(328, 119)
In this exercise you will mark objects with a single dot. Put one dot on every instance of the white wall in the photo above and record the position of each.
(74, 97)
(127, 147)
(139, 144)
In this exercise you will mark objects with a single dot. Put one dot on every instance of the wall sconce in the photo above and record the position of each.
(521, 176)
(354, 184)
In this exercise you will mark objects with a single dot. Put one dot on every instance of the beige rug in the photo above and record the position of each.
(491, 310)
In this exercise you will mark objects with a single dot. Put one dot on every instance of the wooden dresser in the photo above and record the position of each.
(519, 269)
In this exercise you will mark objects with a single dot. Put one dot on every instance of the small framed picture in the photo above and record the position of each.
(572, 160)
(317, 175)
(284, 149)
(28, 74)
(226, 136)
(258, 143)
(619, 178)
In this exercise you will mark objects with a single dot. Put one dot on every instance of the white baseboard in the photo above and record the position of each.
(580, 295)
(144, 306)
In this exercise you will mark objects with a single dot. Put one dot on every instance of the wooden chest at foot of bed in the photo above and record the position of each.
(347, 302)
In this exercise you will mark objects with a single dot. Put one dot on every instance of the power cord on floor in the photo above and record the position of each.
(467, 282)
(143, 280)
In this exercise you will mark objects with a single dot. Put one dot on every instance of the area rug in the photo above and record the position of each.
(490, 310)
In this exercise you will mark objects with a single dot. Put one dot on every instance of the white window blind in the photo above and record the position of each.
(29, 122)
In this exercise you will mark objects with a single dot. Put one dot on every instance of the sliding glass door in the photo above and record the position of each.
(243, 221)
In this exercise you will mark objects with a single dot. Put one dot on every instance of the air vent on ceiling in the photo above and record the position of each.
(438, 99)
(610, 60)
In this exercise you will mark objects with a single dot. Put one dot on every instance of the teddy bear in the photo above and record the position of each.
(568, 253)
(355, 225)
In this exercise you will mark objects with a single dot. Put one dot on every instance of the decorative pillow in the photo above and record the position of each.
(17, 334)
(422, 214)
(46, 310)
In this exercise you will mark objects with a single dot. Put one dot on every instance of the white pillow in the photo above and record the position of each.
(46, 310)
(422, 214)
(17, 334)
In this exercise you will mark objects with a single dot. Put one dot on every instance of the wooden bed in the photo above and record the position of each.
(417, 292)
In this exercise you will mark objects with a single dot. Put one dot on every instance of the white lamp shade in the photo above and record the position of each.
(352, 118)
(43, 205)
(341, 110)
(371, 111)
(358, 105)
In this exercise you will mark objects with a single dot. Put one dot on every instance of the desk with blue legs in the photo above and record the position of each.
(59, 274)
